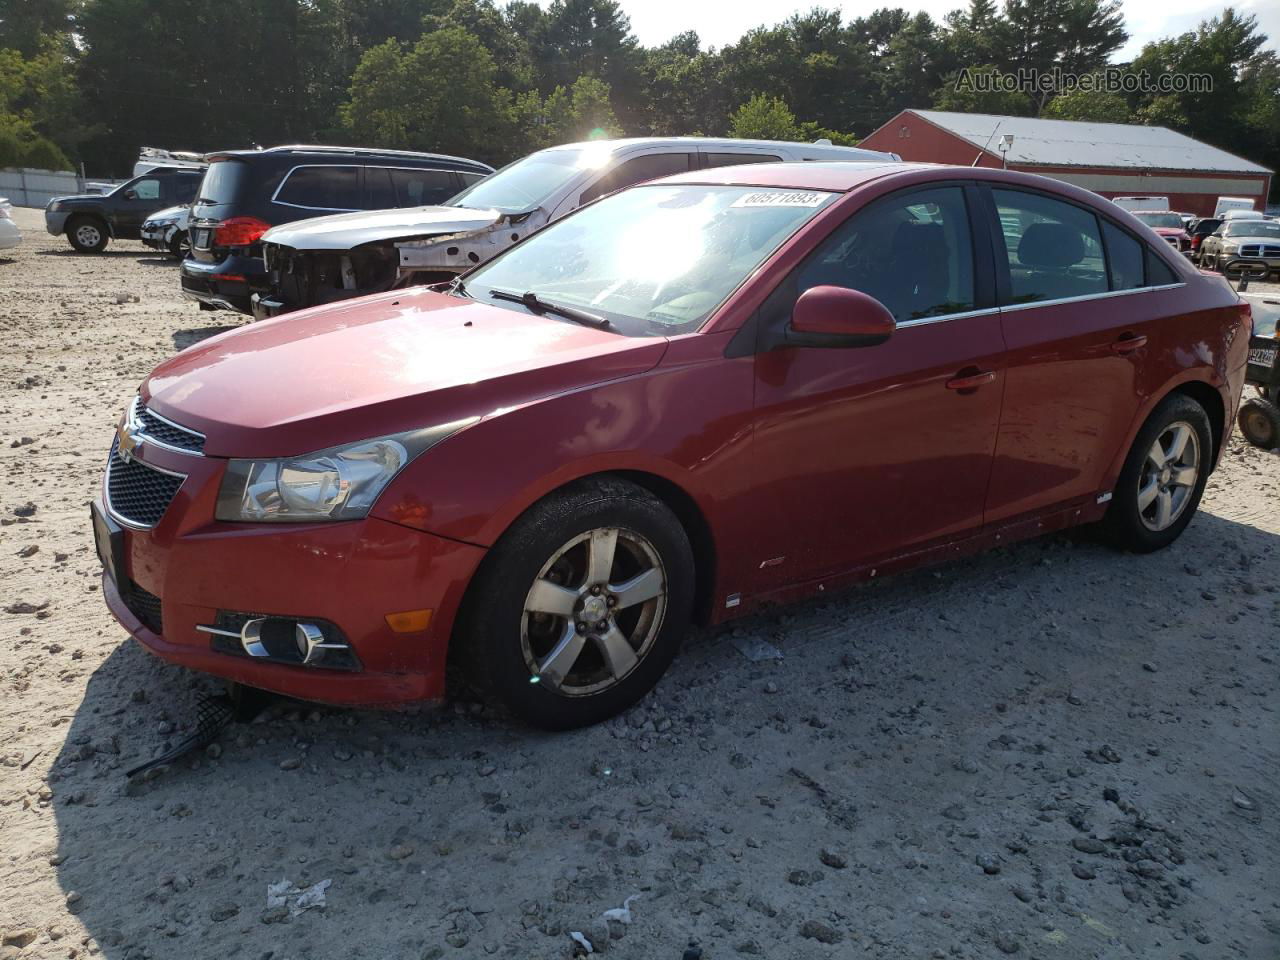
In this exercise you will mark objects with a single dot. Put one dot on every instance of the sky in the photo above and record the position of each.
(719, 22)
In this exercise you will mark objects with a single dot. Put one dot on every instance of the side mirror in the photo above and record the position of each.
(130, 195)
(838, 317)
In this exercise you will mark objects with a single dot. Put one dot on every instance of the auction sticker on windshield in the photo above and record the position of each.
(773, 198)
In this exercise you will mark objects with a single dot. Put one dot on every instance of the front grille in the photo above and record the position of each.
(1172, 240)
(1267, 250)
(160, 430)
(145, 606)
(137, 493)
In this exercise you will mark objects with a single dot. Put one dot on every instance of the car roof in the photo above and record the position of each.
(322, 150)
(622, 144)
(840, 177)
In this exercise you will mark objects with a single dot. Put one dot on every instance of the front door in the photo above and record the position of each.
(863, 454)
(1076, 340)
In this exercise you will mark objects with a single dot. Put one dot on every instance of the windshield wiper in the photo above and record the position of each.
(458, 289)
(537, 305)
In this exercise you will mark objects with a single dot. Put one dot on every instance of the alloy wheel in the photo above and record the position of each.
(1168, 476)
(593, 612)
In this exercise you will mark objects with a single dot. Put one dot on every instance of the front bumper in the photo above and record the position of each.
(267, 306)
(227, 285)
(351, 574)
(56, 223)
(157, 237)
(1255, 265)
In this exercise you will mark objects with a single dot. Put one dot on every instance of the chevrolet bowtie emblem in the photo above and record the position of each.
(129, 439)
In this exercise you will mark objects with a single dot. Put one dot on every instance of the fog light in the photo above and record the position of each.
(308, 643)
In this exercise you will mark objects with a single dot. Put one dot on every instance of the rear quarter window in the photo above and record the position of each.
(223, 182)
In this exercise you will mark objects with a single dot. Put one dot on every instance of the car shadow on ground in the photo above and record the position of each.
(5, 261)
(189, 338)
(159, 260)
(76, 253)
(411, 814)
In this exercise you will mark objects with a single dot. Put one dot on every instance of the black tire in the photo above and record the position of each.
(178, 245)
(493, 624)
(1124, 525)
(1259, 422)
(87, 234)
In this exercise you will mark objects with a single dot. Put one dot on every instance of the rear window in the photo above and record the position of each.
(734, 159)
(222, 182)
(321, 188)
(1166, 220)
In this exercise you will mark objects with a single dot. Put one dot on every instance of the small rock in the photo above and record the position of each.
(1111, 795)
(1005, 943)
(223, 911)
(20, 938)
(833, 857)
(955, 812)
(29, 551)
(1089, 845)
(28, 509)
(1149, 667)
(1242, 801)
(213, 751)
(1082, 872)
(770, 687)
(989, 862)
(400, 851)
(73, 901)
(278, 914)
(291, 763)
(817, 930)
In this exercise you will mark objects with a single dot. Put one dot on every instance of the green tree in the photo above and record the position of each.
(964, 92)
(764, 118)
(438, 95)
(1088, 105)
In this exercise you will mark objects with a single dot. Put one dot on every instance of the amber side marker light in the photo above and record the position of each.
(411, 621)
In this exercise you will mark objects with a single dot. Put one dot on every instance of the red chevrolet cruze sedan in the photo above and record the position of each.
(689, 400)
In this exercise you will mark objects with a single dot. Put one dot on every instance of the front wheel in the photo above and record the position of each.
(87, 234)
(1163, 477)
(1259, 421)
(580, 608)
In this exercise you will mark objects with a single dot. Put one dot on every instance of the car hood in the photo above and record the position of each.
(379, 365)
(168, 213)
(1169, 231)
(77, 198)
(344, 231)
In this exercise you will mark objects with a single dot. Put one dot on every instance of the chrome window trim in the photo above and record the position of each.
(301, 166)
(944, 317)
(106, 491)
(1011, 307)
(139, 406)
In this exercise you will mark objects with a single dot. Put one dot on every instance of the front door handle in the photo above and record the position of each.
(1128, 344)
(971, 381)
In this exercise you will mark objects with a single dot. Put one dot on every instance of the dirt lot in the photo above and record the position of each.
(1052, 751)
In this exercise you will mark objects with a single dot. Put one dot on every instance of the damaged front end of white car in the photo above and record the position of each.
(328, 259)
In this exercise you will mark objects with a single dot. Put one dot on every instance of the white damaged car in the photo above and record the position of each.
(166, 230)
(353, 254)
(10, 235)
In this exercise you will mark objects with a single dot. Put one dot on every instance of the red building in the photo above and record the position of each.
(1111, 159)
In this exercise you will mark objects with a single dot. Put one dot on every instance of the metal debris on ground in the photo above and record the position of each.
(756, 650)
(623, 913)
(298, 899)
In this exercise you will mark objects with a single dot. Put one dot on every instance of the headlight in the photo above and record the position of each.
(1231, 248)
(340, 483)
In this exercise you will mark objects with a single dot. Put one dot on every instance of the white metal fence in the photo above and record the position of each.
(35, 188)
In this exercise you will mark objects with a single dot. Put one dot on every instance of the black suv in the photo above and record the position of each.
(247, 192)
(91, 219)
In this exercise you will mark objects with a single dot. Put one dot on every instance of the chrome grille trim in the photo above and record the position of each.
(163, 432)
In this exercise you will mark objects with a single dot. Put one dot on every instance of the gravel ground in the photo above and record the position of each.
(1050, 751)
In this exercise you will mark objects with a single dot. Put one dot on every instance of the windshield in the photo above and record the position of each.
(653, 260)
(527, 184)
(221, 182)
(1160, 220)
(1253, 228)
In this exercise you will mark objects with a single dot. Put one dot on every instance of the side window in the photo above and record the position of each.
(417, 188)
(913, 253)
(322, 188)
(1159, 273)
(469, 178)
(732, 159)
(184, 188)
(148, 189)
(1124, 257)
(636, 170)
(378, 188)
(1054, 248)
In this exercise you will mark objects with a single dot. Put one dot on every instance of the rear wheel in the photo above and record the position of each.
(1163, 477)
(1259, 421)
(87, 234)
(581, 606)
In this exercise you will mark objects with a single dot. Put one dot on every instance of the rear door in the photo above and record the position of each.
(866, 454)
(1079, 327)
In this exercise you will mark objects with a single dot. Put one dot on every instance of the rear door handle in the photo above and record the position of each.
(971, 381)
(1128, 344)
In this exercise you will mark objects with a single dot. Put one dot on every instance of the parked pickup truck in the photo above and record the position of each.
(90, 221)
(350, 255)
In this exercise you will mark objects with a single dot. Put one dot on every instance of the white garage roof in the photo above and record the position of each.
(1072, 143)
